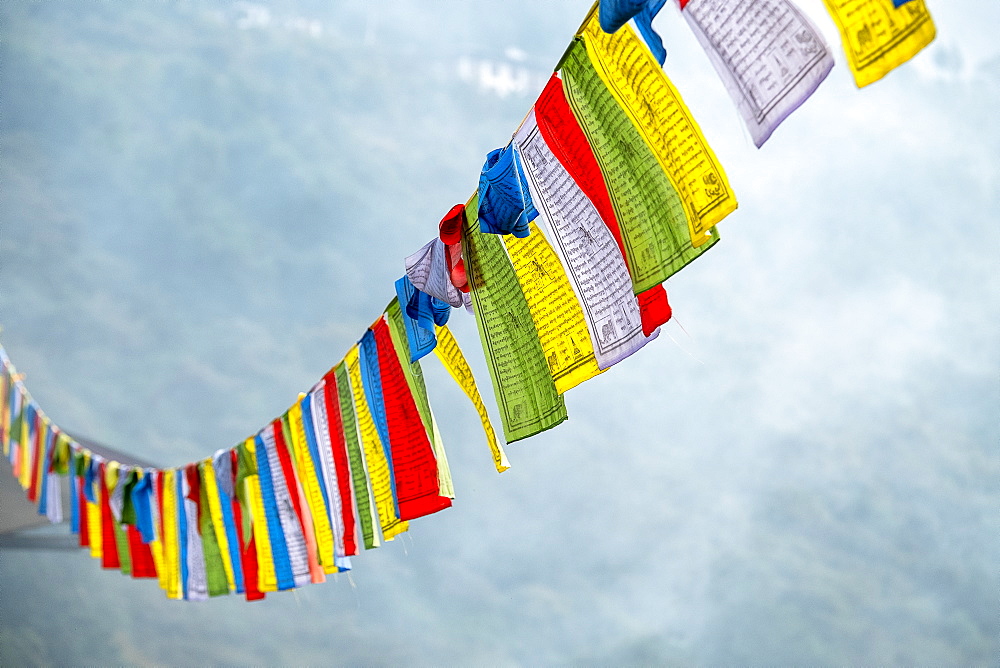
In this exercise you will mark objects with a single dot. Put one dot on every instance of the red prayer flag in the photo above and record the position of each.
(141, 554)
(413, 462)
(109, 545)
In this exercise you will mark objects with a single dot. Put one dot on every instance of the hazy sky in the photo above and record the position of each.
(802, 469)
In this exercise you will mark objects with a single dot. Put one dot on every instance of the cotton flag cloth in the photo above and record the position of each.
(769, 55)
(454, 361)
(566, 140)
(555, 310)
(525, 393)
(650, 213)
(880, 35)
(429, 272)
(593, 263)
(330, 436)
(376, 464)
(367, 514)
(415, 379)
(414, 465)
(505, 206)
(657, 111)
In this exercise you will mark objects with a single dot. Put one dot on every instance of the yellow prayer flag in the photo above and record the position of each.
(656, 109)
(171, 535)
(375, 461)
(878, 37)
(554, 308)
(454, 361)
(267, 578)
(306, 472)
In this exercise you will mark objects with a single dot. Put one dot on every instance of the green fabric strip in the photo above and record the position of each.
(525, 393)
(215, 570)
(362, 494)
(649, 210)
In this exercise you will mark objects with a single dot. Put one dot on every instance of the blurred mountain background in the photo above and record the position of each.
(203, 205)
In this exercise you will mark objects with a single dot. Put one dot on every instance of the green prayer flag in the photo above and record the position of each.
(362, 494)
(525, 393)
(650, 213)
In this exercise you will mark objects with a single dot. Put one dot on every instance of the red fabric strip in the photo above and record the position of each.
(654, 308)
(450, 227)
(36, 460)
(109, 545)
(413, 463)
(194, 489)
(143, 565)
(331, 399)
(567, 141)
(82, 512)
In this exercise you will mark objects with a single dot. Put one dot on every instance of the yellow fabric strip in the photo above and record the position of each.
(445, 485)
(267, 579)
(156, 547)
(306, 472)
(27, 439)
(656, 109)
(94, 527)
(171, 535)
(218, 524)
(454, 361)
(554, 308)
(878, 37)
(375, 462)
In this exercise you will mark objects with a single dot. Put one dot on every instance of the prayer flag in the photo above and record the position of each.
(555, 310)
(415, 379)
(414, 465)
(597, 279)
(367, 513)
(505, 206)
(374, 455)
(880, 35)
(525, 392)
(768, 54)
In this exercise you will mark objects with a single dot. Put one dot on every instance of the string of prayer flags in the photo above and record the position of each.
(606, 189)
(523, 386)
(768, 54)
(880, 35)
(600, 288)
(566, 140)
(505, 207)
(614, 14)
(655, 108)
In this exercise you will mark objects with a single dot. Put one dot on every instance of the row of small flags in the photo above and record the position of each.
(606, 190)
